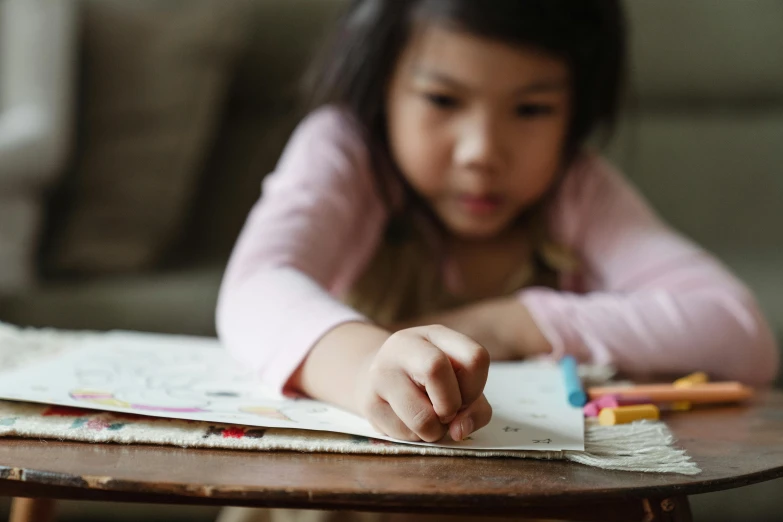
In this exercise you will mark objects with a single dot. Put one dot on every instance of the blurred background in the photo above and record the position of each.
(134, 135)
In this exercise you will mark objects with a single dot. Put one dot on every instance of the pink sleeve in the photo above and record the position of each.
(654, 301)
(304, 243)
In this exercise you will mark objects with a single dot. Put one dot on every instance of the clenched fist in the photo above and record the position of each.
(425, 382)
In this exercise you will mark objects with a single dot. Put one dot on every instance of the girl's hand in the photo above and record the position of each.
(424, 382)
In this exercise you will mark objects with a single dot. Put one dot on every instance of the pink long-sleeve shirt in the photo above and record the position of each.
(650, 301)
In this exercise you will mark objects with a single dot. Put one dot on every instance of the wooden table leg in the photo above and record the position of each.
(32, 510)
(672, 509)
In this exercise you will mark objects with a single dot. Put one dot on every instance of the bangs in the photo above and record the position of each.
(543, 24)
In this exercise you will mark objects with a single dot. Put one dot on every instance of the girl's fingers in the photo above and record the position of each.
(386, 422)
(412, 406)
(469, 360)
(431, 369)
(471, 419)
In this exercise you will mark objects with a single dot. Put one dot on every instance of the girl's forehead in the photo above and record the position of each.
(437, 52)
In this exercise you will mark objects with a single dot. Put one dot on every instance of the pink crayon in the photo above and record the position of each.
(594, 407)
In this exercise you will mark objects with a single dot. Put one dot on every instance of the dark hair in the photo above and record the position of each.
(355, 67)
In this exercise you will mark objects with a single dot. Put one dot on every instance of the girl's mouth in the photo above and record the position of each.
(479, 205)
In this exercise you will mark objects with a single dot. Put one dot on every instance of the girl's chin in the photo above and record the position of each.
(477, 230)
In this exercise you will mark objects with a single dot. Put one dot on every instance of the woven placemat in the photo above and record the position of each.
(641, 446)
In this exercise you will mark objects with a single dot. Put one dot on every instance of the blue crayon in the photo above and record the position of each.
(573, 384)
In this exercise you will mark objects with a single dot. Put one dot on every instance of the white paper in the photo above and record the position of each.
(194, 378)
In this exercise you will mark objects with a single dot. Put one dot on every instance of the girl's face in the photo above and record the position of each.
(477, 127)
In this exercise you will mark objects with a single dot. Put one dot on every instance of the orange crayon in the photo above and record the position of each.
(706, 393)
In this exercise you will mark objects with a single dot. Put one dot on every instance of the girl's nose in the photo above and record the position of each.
(477, 145)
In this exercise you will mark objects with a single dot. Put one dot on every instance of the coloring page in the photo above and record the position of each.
(195, 379)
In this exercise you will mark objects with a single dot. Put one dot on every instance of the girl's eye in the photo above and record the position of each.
(532, 110)
(442, 101)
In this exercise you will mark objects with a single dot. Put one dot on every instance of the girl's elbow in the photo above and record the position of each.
(220, 320)
(234, 334)
(742, 337)
(764, 351)
(758, 346)
(226, 316)
(223, 324)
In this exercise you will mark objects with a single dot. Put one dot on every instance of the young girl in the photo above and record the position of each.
(439, 209)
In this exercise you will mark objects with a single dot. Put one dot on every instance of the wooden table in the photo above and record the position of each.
(735, 446)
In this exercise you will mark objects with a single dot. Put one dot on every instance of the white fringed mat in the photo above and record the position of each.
(641, 446)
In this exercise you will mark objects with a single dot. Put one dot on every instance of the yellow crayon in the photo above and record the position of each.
(690, 380)
(625, 414)
(685, 382)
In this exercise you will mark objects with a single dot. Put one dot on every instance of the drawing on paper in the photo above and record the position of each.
(265, 411)
(103, 398)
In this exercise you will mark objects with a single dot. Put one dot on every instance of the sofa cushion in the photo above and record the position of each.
(261, 113)
(37, 51)
(19, 221)
(181, 302)
(715, 175)
(701, 51)
(153, 83)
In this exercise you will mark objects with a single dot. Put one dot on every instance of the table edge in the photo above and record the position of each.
(32, 482)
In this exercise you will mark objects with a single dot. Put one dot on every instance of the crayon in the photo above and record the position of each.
(626, 414)
(573, 384)
(594, 407)
(710, 392)
(690, 380)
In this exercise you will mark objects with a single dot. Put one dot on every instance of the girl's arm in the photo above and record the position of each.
(655, 302)
(303, 243)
